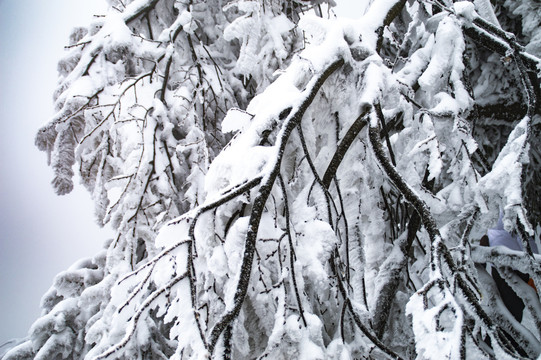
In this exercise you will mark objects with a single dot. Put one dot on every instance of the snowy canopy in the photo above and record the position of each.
(289, 185)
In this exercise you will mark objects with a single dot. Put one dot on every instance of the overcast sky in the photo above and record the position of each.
(41, 234)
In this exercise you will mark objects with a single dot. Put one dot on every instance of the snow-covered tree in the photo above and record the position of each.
(289, 185)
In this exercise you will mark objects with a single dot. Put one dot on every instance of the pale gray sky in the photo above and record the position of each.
(41, 234)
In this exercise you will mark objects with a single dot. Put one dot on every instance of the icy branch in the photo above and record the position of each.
(290, 123)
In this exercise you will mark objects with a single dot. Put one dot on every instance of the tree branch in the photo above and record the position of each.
(292, 121)
(344, 145)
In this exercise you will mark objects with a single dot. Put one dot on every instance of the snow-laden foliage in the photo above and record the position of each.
(288, 185)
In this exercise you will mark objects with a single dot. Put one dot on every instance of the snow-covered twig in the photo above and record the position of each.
(291, 248)
(347, 301)
(292, 121)
(132, 326)
(439, 251)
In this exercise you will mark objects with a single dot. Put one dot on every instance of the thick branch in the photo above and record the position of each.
(259, 204)
(344, 145)
(502, 256)
(139, 10)
(405, 189)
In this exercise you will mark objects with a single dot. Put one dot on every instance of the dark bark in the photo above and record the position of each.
(259, 202)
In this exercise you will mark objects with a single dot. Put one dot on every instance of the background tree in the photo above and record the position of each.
(341, 217)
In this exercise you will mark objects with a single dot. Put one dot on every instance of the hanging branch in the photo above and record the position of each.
(381, 117)
(344, 145)
(354, 314)
(166, 77)
(438, 249)
(330, 173)
(292, 121)
(291, 249)
(133, 323)
(392, 268)
(342, 215)
(409, 194)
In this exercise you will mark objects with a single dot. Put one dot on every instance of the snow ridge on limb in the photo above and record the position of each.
(440, 256)
(141, 94)
(291, 121)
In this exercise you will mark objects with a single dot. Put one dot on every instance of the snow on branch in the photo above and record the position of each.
(287, 184)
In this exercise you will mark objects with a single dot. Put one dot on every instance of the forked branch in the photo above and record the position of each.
(293, 120)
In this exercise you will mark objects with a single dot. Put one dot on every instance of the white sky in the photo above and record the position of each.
(41, 234)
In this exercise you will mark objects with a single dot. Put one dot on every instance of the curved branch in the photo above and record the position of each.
(439, 250)
(138, 10)
(292, 120)
(344, 145)
(133, 324)
(405, 189)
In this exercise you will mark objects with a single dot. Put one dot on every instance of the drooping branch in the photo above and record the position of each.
(137, 9)
(133, 323)
(356, 318)
(291, 250)
(344, 145)
(290, 123)
(391, 270)
(440, 255)
(409, 193)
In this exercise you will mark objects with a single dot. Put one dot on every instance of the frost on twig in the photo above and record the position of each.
(285, 184)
